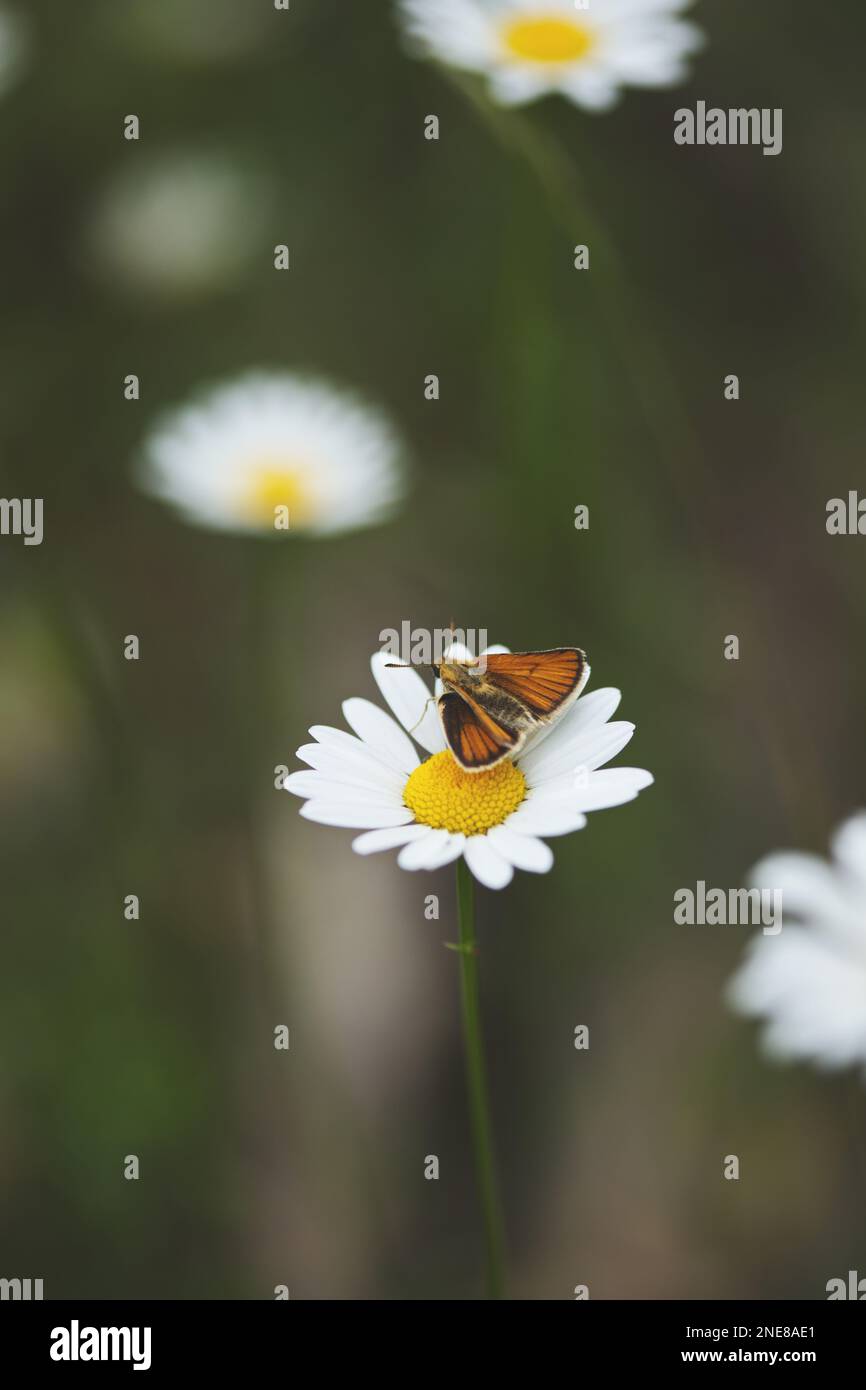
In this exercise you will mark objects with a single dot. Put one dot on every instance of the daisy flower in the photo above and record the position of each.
(431, 810)
(275, 452)
(809, 982)
(178, 226)
(528, 48)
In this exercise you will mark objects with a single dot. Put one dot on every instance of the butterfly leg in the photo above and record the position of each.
(431, 699)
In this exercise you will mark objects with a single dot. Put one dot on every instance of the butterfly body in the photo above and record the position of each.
(488, 708)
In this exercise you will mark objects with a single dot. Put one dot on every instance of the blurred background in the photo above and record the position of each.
(707, 518)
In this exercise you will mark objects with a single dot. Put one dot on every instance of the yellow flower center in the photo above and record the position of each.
(445, 797)
(548, 39)
(274, 487)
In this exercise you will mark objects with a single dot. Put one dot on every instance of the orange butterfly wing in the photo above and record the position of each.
(542, 680)
(476, 740)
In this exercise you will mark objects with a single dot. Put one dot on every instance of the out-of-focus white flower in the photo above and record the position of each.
(274, 448)
(432, 810)
(14, 44)
(528, 48)
(809, 981)
(181, 225)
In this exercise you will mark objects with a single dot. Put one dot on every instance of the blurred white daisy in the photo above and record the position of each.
(273, 452)
(809, 981)
(528, 48)
(433, 811)
(13, 47)
(179, 225)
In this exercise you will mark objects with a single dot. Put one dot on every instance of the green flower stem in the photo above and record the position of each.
(619, 317)
(271, 574)
(476, 1078)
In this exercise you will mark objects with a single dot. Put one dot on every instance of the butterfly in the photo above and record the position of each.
(489, 706)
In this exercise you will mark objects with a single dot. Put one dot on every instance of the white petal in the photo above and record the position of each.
(321, 788)
(813, 891)
(596, 707)
(545, 818)
(813, 997)
(300, 783)
(357, 815)
(652, 55)
(611, 787)
(593, 90)
(583, 749)
(849, 848)
(588, 712)
(415, 854)
(512, 86)
(361, 768)
(457, 31)
(523, 851)
(410, 700)
(391, 838)
(381, 732)
(450, 850)
(487, 863)
(436, 848)
(330, 737)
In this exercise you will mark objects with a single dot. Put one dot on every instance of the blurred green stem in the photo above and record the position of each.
(270, 579)
(476, 1078)
(653, 383)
